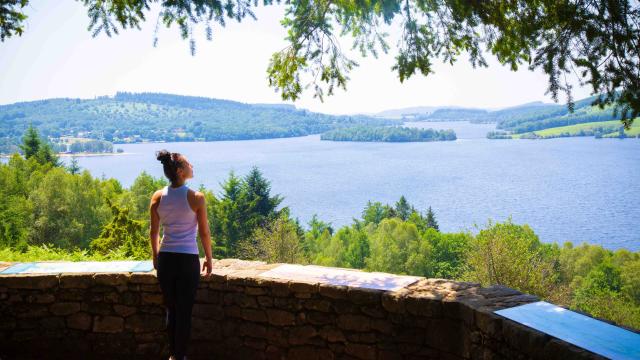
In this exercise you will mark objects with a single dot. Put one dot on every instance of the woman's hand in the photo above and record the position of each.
(207, 265)
(155, 261)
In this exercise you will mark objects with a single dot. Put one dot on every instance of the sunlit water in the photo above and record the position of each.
(569, 189)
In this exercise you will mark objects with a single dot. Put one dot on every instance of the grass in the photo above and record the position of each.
(610, 129)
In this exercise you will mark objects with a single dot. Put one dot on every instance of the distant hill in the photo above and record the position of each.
(521, 118)
(410, 112)
(136, 117)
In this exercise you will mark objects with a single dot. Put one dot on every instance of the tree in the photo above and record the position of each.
(595, 40)
(403, 209)
(34, 147)
(258, 195)
(30, 142)
(123, 233)
(511, 255)
(431, 220)
(73, 168)
(276, 242)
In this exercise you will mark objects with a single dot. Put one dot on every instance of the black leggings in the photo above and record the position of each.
(178, 275)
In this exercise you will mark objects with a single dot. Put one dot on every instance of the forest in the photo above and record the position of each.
(89, 218)
(387, 134)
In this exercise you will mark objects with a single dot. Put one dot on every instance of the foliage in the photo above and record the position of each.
(511, 255)
(124, 233)
(35, 147)
(12, 18)
(244, 205)
(277, 241)
(594, 40)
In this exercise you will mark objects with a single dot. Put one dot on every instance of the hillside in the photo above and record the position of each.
(129, 117)
(526, 117)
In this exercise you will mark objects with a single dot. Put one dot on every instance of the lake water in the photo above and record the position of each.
(568, 189)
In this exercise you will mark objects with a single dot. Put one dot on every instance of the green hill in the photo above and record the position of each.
(129, 117)
(610, 128)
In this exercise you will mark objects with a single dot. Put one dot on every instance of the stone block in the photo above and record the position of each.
(382, 326)
(280, 317)
(303, 287)
(331, 334)
(124, 310)
(364, 296)
(208, 311)
(422, 306)
(149, 298)
(277, 287)
(255, 315)
(333, 291)
(361, 351)
(319, 318)
(310, 353)
(265, 301)
(393, 302)
(317, 305)
(145, 323)
(52, 323)
(110, 279)
(300, 335)
(255, 291)
(30, 281)
(354, 322)
(65, 308)
(149, 278)
(207, 296)
(107, 324)
(253, 330)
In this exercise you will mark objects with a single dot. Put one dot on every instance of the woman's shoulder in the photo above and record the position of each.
(196, 198)
(157, 195)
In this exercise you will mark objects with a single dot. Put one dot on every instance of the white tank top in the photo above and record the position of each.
(179, 221)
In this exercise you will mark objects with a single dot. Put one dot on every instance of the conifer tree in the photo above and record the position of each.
(431, 220)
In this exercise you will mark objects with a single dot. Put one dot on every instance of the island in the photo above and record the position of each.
(388, 134)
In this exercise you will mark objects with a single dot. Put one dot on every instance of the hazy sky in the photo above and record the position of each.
(57, 57)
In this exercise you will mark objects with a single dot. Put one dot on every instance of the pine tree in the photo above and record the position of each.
(123, 233)
(30, 142)
(431, 220)
(33, 146)
(73, 168)
(403, 209)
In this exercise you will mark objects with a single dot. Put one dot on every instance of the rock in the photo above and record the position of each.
(333, 291)
(361, 351)
(107, 324)
(354, 322)
(145, 322)
(123, 310)
(300, 334)
(280, 317)
(79, 321)
(65, 308)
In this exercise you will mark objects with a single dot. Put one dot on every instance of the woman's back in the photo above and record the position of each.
(178, 220)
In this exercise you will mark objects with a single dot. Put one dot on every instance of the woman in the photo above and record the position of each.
(182, 213)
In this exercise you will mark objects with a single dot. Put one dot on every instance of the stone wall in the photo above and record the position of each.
(238, 315)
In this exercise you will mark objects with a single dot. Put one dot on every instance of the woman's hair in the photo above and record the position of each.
(171, 162)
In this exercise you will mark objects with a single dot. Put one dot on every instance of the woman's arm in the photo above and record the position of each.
(203, 230)
(154, 228)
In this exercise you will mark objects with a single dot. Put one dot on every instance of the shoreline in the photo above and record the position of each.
(7, 156)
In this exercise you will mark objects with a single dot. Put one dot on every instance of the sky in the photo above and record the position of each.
(57, 57)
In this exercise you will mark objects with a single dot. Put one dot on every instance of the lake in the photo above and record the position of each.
(566, 189)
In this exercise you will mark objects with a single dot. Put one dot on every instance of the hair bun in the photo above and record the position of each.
(163, 156)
